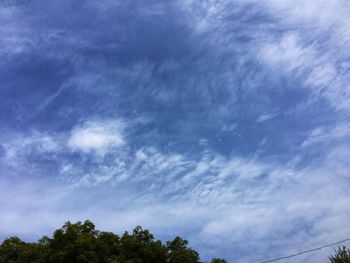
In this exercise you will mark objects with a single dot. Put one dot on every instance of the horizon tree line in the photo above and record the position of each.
(82, 243)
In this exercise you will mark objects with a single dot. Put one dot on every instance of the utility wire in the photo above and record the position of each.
(306, 251)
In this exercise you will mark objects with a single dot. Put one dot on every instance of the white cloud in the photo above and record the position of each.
(96, 136)
(236, 199)
(315, 14)
(302, 51)
(330, 141)
(287, 53)
(306, 41)
(266, 117)
(231, 200)
(19, 147)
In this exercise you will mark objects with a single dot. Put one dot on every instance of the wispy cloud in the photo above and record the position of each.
(224, 122)
(98, 137)
(18, 148)
(267, 116)
(236, 198)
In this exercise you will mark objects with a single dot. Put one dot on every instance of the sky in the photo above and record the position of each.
(225, 122)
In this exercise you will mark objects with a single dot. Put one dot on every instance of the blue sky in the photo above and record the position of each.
(225, 122)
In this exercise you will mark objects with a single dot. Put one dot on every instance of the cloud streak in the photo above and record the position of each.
(96, 137)
(223, 122)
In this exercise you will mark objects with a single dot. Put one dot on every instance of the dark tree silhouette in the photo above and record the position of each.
(82, 243)
(178, 252)
(342, 255)
(218, 260)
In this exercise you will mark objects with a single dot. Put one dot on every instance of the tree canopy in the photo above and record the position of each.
(342, 255)
(82, 243)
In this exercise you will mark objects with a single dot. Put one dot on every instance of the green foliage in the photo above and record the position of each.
(178, 252)
(342, 255)
(15, 250)
(82, 243)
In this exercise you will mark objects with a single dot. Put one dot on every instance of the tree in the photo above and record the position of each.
(82, 243)
(74, 243)
(11, 250)
(218, 260)
(14, 250)
(178, 252)
(342, 255)
(141, 247)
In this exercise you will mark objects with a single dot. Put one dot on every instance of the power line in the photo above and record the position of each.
(306, 251)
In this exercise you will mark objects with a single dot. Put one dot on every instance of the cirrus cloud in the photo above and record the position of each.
(97, 137)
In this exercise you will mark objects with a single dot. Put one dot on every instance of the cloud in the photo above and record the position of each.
(262, 204)
(192, 152)
(288, 53)
(267, 116)
(330, 135)
(304, 53)
(96, 136)
(33, 147)
(224, 200)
